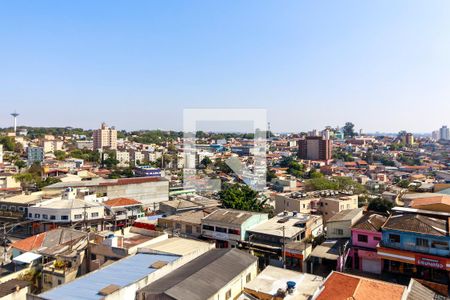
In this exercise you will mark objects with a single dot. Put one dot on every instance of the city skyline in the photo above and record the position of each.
(309, 64)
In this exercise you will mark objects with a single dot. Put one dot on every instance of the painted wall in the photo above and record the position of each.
(408, 242)
(371, 241)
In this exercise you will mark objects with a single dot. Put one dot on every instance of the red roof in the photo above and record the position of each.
(121, 202)
(340, 286)
(31, 243)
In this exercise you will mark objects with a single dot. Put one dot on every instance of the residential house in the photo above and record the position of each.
(187, 223)
(366, 235)
(270, 237)
(228, 227)
(339, 226)
(297, 201)
(330, 206)
(123, 211)
(148, 190)
(70, 209)
(416, 245)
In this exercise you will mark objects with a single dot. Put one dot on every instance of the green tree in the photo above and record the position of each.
(318, 184)
(59, 154)
(20, 164)
(206, 161)
(380, 205)
(48, 181)
(241, 197)
(315, 174)
(27, 180)
(8, 143)
(270, 174)
(403, 184)
(348, 129)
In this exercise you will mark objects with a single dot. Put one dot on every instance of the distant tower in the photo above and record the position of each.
(15, 115)
(268, 130)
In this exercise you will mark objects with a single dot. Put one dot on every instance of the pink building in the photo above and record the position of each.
(366, 234)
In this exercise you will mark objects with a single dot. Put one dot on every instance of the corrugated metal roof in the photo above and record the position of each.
(230, 216)
(202, 277)
(418, 291)
(122, 273)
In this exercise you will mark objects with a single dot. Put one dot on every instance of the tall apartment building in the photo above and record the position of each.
(408, 139)
(51, 145)
(35, 154)
(444, 133)
(105, 137)
(315, 148)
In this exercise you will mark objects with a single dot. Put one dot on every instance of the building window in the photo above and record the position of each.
(45, 217)
(30, 215)
(12, 208)
(234, 231)
(208, 227)
(37, 216)
(439, 245)
(338, 231)
(362, 238)
(4, 207)
(376, 238)
(394, 238)
(221, 229)
(77, 217)
(65, 217)
(189, 229)
(94, 215)
(21, 208)
(52, 217)
(228, 295)
(248, 277)
(422, 242)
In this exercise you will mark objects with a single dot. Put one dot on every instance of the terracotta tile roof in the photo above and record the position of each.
(370, 222)
(31, 243)
(121, 202)
(339, 286)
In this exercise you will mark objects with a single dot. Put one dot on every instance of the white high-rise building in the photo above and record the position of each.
(105, 137)
(444, 133)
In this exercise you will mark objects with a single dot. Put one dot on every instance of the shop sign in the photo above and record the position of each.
(431, 262)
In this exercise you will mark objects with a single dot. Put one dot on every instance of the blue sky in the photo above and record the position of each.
(384, 65)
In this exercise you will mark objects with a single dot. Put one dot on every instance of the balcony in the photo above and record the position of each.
(414, 248)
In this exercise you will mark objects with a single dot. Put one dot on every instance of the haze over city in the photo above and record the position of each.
(383, 65)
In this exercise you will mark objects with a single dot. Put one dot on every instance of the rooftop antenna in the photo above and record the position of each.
(15, 115)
